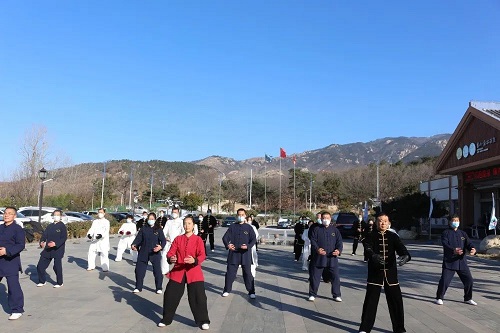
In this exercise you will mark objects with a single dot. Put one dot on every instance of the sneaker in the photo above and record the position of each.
(337, 299)
(136, 291)
(365, 260)
(41, 284)
(225, 294)
(252, 296)
(353, 254)
(58, 285)
(470, 302)
(213, 250)
(295, 260)
(160, 324)
(439, 301)
(311, 298)
(159, 292)
(15, 316)
(362, 332)
(90, 269)
(205, 327)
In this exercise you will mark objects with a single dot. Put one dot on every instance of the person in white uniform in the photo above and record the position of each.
(255, 258)
(307, 247)
(172, 229)
(127, 232)
(99, 241)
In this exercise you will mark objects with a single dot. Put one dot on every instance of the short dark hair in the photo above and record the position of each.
(10, 207)
(454, 216)
(325, 213)
(382, 214)
(103, 209)
(57, 210)
(175, 208)
(129, 216)
(241, 210)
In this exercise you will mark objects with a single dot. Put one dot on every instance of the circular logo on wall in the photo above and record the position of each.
(472, 149)
(465, 151)
(459, 153)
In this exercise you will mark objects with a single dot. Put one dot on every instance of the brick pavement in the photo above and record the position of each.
(103, 302)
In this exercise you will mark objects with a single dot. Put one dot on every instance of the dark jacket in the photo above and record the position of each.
(329, 239)
(385, 244)
(146, 240)
(209, 221)
(452, 239)
(57, 233)
(12, 237)
(239, 234)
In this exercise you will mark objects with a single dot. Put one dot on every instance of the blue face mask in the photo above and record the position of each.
(241, 219)
(151, 222)
(319, 221)
(455, 224)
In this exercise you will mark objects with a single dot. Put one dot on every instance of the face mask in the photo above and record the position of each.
(175, 215)
(161, 214)
(57, 218)
(326, 222)
(151, 222)
(455, 224)
(241, 219)
(209, 214)
(129, 220)
(201, 217)
(319, 221)
(100, 215)
(144, 217)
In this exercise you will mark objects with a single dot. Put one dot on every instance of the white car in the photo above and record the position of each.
(33, 211)
(65, 218)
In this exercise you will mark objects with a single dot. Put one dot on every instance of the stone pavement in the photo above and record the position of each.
(103, 302)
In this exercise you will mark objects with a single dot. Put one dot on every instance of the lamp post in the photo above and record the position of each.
(135, 201)
(42, 174)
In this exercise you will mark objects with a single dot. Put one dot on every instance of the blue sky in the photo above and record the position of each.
(183, 80)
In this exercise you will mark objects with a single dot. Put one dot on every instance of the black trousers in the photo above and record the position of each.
(447, 275)
(355, 244)
(197, 299)
(140, 272)
(231, 272)
(43, 264)
(297, 248)
(394, 303)
(211, 240)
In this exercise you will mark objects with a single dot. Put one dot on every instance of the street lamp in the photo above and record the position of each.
(42, 174)
(135, 201)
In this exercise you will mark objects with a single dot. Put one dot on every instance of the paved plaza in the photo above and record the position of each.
(103, 302)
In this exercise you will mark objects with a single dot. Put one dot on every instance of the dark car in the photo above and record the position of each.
(82, 216)
(119, 215)
(228, 220)
(345, 223)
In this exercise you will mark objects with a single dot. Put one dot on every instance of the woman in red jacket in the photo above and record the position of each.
(187, 253)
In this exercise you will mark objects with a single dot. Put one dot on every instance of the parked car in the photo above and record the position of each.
(92, 213)
(65, 218)
(32, 211)
(119, 215)
(140, 210)
(345, 222)
(284, 223)
(228, 220)
(82, 216)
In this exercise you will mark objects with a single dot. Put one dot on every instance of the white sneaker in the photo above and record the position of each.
(337, 299)
(225, 294)
(41, 284)
(353, 254)
(205, 327)
(439, 301)
(58, 285)
(159, 292)
(362, 332)
(252, 296)
(311, 298)
(90, 269)
(470, 302)
(136, 291)
(161, 324)
(15, 316)
(213, 250)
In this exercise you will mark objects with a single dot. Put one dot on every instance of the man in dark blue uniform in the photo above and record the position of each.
(239, 239)
(12, 243)
(381, 247)
(455, 243)
(326, 244)
(149, 242)
(53, 243)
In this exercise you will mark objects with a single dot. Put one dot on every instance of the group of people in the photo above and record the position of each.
(184, 252)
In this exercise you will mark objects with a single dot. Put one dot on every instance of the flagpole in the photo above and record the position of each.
(102, 190)
(280, 185)
(251, 177)
(265, 191)
(294, 197)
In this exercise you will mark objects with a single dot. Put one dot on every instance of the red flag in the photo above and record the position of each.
(294, 159)
(282, 153)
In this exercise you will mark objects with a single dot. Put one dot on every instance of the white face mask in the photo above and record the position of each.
(129, 220)
(57, 218)
(100, 215)
(241, 218)
(326, 222)
(151, 222)
(161, 214)
(175, 215)
(319, 221)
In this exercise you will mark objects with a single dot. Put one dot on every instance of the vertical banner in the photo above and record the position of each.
(493, 218)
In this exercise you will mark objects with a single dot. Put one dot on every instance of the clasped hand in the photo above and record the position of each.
(157, 248)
